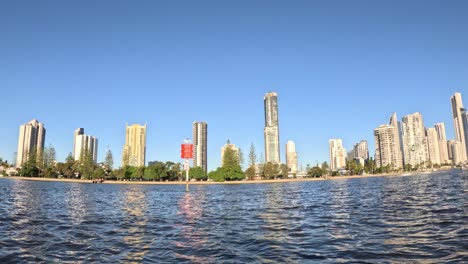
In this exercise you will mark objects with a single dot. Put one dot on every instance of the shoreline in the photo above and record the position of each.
(216, 183)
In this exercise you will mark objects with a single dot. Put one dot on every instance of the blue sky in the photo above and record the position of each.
(340, 69)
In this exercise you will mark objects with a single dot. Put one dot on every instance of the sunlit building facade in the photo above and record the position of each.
(337, 154)
(414, 140)
(200, 145)
(442, 140)
(291, 156)
(84, 145)
(432, 145)
(134, 151)
(460, 134)
(271, 131)
(31, 141)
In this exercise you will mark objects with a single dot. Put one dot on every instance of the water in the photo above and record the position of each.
(420, 218)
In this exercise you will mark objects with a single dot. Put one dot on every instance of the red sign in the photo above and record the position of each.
(186, 151)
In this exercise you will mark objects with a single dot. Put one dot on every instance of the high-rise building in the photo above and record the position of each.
(84, 145)
(271, 131)
(433, 145)
(414, 140)
(78, 131)
(360, 152)
(399, 141)
(31, 141)
(442, 139)
(440, 129)
(200, 145)
(134, 150)
(291, 156)
(337, 154)
(464, 116)
(233, 147)
(457, 108)
(454, 151)
(386, 147)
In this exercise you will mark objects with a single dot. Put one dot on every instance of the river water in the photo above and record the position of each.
(422, 219)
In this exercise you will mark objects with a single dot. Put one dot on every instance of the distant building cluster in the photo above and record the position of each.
(398, 144)
(410, 144)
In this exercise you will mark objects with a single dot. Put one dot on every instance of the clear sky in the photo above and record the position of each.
(340, 69)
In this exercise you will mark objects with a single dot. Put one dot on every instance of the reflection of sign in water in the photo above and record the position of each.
(186, 151)
(186, 165)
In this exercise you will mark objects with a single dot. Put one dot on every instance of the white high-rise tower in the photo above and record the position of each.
(271, 131)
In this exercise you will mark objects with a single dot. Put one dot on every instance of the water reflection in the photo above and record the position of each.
(75, 203)
(377, 220)
(135, 221)
(192, 231)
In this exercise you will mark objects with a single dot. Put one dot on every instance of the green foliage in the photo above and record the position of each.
(250, 172)
(252, 156)
(155, 172)
(408, 167)
(48, 166)
(317, 171)
(70, 158)
(370, 166)
(354, 167)
(197, 173)
(109, 160)
(241, 158)
(284, 169)
(99, 173)
(325, 166)
(29, 168)
(230, 158)
(226, 174)
(271, 170)
(86, 165)
(176, 171)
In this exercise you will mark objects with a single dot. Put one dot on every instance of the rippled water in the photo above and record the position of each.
(421, 218)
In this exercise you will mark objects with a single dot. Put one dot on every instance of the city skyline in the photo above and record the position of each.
(340, 70)
(425, 143)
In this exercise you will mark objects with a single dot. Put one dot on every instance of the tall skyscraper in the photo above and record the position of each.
(386, 147)
(200, 145)
(272, 147)
(337, 154)
(414, 140)
(457, 107)
(442, 139)
(31, 141)
(361, 150)
(134, 150)
(291, 156)
(233, 148)
(464, 116)
(78, 131)
(398, 137)
(84, 145)
(454, 151)
(433, 145)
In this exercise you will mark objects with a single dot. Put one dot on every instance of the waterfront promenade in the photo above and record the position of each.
(213, 182)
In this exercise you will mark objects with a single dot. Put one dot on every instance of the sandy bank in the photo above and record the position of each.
(210, 182)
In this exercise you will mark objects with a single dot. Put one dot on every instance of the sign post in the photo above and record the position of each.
(186, 152)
